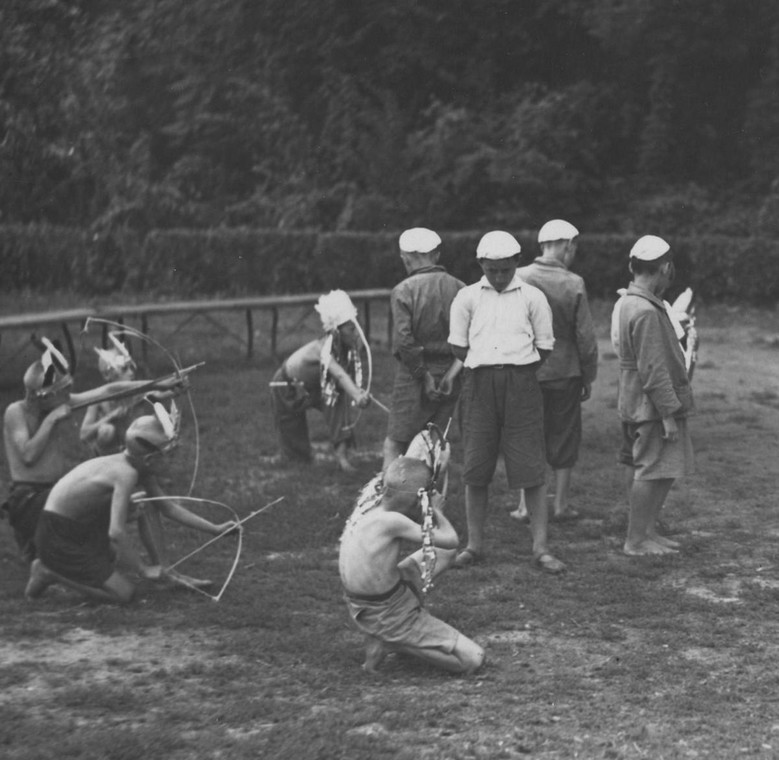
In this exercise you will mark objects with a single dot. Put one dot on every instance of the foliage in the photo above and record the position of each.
(126, 117)
(244, 261)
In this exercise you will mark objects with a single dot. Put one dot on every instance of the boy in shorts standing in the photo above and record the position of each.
(501, 328)
(426, 385)
(655, 397)
(566, 377)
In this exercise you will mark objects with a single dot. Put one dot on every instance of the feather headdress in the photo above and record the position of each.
(170, 421)
(334, 309)
(114, 360)
(55, 368)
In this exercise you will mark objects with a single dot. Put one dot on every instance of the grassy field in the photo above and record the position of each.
(672, 657)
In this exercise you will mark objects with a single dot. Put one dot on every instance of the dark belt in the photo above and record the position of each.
(32, 485)
(375, 597)
(532, 365)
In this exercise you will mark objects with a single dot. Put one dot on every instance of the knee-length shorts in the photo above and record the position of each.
(503, 412)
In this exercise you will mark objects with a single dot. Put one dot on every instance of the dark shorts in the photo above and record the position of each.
(78, 552)
(290, 404)
(503, 410)
(411, 410)
(562, 421)
(24, 506)
(652, 457)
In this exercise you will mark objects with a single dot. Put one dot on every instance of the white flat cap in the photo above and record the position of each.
(557, 229)
(419, 240)
(497, 245)
(649, 248)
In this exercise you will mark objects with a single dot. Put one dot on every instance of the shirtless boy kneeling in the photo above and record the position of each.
(384, 595)
(83, 528)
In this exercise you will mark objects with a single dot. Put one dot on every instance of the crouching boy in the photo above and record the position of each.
(83, 531)
(384, 595)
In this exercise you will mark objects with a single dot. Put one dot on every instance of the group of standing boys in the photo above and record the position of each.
(523, 348)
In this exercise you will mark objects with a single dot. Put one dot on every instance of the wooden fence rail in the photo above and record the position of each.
(119, 312)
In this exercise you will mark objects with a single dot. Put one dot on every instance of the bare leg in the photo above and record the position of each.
(520, 513)
(375, 652)
(343, 460)
(152, 534)
(116, 590)
(467, 656)
(562, 488)
(535, 498)
(392, 450)
(476, 501)
(539, 521)
(646, 501)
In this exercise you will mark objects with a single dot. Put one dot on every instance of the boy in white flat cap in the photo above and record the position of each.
(655, 397)
(324, 374)
(501, 328)
(426, 383)
(567, 375)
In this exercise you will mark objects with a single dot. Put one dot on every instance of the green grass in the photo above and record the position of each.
(619, 658)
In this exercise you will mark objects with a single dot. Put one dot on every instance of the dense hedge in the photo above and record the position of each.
(241, 261)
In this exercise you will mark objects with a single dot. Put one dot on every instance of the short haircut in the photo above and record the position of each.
(639, 266)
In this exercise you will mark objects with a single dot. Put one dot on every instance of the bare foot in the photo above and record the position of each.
(664, 541)
(647, 546)
(40, 579)
(347, 466)
(375, 652)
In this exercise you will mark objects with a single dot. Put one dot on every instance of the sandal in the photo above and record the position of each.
(547, 563)
(468, 557)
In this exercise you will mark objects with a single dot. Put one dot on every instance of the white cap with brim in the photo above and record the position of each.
(557, 229)
(419, 240)
(497, 245)
(649, 248)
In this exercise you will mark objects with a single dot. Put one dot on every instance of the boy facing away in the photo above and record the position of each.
(83, 531)
(383, 593)
(426, 385)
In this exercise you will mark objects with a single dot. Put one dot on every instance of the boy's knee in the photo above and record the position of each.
(472, 657)
(475, 660)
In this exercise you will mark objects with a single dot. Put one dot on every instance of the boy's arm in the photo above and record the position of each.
(360, 396)
(447, 381)
(444, 535)
(94, 395)
(405, 346)
(174, 511)
(460, 352)
(118, 535)
(31, 447)
(182, 515)
(92, 421)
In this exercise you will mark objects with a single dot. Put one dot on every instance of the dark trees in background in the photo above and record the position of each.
(129, 115)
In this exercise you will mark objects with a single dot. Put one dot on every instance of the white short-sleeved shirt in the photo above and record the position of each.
(501, 328)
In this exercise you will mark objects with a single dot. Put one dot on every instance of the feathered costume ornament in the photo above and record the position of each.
(56, 370)
(335, 309)
(431, 447)
(114, 361)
